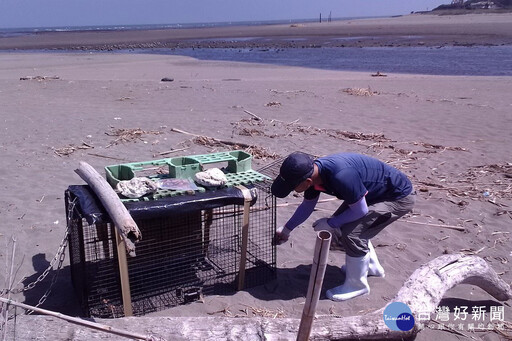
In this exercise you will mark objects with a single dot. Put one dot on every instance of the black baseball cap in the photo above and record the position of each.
(296, 168)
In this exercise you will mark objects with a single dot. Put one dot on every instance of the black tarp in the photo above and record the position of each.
(93, 211)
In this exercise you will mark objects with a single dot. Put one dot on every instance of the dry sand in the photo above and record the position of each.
(451, 135)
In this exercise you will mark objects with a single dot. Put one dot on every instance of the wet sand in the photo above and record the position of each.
(409, 30)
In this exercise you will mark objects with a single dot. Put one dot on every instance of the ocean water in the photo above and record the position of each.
(8, 32)
(459, 60)
(468, 61)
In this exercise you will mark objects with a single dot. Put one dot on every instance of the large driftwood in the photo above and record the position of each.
(126, 226)
(422, 292)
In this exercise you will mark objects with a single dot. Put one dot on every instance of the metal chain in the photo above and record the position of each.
(62, 255)
(59, 258)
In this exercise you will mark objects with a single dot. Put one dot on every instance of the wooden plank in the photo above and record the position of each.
(245, 236)
(123, 275)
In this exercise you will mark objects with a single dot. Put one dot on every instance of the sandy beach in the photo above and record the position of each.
(449, 134)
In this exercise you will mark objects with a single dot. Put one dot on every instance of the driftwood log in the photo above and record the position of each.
(126, 226)
(422, 292)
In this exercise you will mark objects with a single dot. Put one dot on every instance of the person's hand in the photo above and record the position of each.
(282, 235)
(322, 225)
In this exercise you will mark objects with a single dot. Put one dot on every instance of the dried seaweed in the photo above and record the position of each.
(70, 149)
(256, 151)
(358, 135)
(39, 78)
(360, 91)
(129, 135)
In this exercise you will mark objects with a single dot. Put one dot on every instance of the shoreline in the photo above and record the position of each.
(402, 31)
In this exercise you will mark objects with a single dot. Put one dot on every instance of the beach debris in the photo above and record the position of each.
(287, 91)
(401, 246)
(256, 151)
(471, 251)
(38, 78)
(358, 135)
(167, 79)
(129, 135)
(253, 115)
(273, 104)
(136, 187)
(251, 132)
(439, 147)
(212, 177)
(265, 312)
(486, 182)
(107, 157)
(451, 227)
(378, 74)
(224, 311)
(70, 149)
(360, 91)
(167, 152)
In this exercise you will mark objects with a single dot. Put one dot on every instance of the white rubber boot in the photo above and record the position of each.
(374, 267)
(356, 283)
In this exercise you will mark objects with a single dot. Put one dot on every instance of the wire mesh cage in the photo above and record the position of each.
(181, 256)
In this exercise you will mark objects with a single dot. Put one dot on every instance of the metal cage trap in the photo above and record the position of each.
(194, 246)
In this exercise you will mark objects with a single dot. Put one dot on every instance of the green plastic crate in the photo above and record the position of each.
(236, 165)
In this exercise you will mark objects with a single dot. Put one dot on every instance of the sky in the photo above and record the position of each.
(52, 13)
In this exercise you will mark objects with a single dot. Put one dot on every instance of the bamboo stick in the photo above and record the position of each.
(258, 209)
(9, 287)
(79, 321)
(107, 157)
(453, 227)
(170, 151)
(253, 115)
(316, 278)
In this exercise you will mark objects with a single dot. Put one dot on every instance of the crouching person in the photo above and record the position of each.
(374, 195)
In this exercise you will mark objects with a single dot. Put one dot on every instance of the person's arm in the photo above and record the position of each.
(301, 213)
(299, 216)
(354, 212)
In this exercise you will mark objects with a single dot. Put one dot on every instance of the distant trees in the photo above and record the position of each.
(469, 4)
